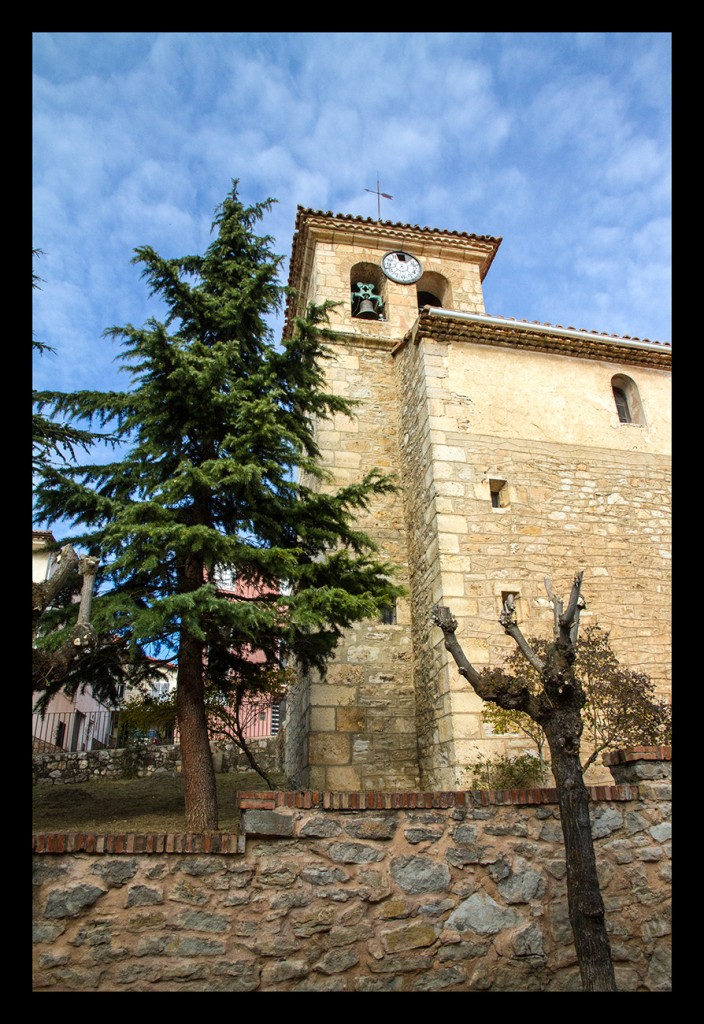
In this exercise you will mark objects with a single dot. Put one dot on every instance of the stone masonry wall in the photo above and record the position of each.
(355, 729)
(588, 497)
(359, 892)
(65, 766)
(415, 369)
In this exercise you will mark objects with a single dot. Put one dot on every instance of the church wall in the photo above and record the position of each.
(355, 729)
(582, 492)
(334, 262)
(544, 397)
(416, 382)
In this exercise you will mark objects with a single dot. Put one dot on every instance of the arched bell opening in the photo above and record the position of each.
(367, 292)
(428, 299)
(434, 290)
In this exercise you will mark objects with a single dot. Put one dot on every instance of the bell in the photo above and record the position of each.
(367, 310)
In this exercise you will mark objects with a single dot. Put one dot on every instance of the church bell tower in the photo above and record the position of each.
(521, 450)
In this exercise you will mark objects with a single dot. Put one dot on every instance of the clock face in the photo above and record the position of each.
(401, 267)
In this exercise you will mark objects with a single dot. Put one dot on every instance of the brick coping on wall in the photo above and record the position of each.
(658, 753)
(228, 843)
(134, 842)
(376, 800)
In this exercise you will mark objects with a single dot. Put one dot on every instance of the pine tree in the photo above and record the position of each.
(218, 437)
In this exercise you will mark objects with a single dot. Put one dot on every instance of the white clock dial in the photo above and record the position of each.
(401, 267)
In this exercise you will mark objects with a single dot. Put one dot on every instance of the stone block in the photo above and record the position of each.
(340, 674)
(448, 543)
(350, 719)
(267, 823)
(343, 779)
(322, 719)
(324, 695)
(327, 748)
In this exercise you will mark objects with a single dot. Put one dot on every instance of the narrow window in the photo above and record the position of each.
(627, 400)
(499, 494)
(624, 413)
(225, 577)
(388, 615)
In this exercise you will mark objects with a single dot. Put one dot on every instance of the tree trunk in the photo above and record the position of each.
(585, 904)
(557, 708)
(198, 772)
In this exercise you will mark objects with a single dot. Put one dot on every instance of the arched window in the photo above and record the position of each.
(627, 400)
(367, 290)
(433, 290)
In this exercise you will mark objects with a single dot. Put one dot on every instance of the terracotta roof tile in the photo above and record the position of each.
(303, 211)
(584, 330)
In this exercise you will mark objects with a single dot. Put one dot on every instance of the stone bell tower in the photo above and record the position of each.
(521, 450)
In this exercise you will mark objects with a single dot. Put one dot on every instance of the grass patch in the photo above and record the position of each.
(151, 804)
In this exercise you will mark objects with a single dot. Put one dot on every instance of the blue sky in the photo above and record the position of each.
(557, 142)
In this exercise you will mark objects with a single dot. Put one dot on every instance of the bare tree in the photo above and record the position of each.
(72, 649)
(557, 708)
(49, 666)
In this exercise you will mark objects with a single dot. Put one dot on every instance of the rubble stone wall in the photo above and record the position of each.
(360, 892)
(65, 766)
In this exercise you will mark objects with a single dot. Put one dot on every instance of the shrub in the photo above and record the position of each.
(524, 771)
(622, 708)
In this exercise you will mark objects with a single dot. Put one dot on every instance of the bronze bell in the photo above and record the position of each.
(367, 310)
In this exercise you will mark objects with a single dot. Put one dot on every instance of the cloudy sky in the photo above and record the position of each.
(557, 142)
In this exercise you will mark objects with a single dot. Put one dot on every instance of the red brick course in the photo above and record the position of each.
(268, 800)
(658, 753)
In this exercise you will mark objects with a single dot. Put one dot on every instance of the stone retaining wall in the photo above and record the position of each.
(359, 892)
(83, 766)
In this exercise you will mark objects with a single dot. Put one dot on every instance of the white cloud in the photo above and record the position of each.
(559, 142)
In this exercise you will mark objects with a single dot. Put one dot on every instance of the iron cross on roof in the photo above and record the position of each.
(379, 196)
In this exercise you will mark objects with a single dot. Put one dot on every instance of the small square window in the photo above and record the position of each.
(499, 494)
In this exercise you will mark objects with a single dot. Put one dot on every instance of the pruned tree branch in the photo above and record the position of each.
(444, 618)
(508, 621)
(510, 693)
(52, 665)
(566, 623)
(567, 619)
(557, 607)
(45, 593)
(557, 709)
(88, 569)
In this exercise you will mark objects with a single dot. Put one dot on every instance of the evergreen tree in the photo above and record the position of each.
(218, 440)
